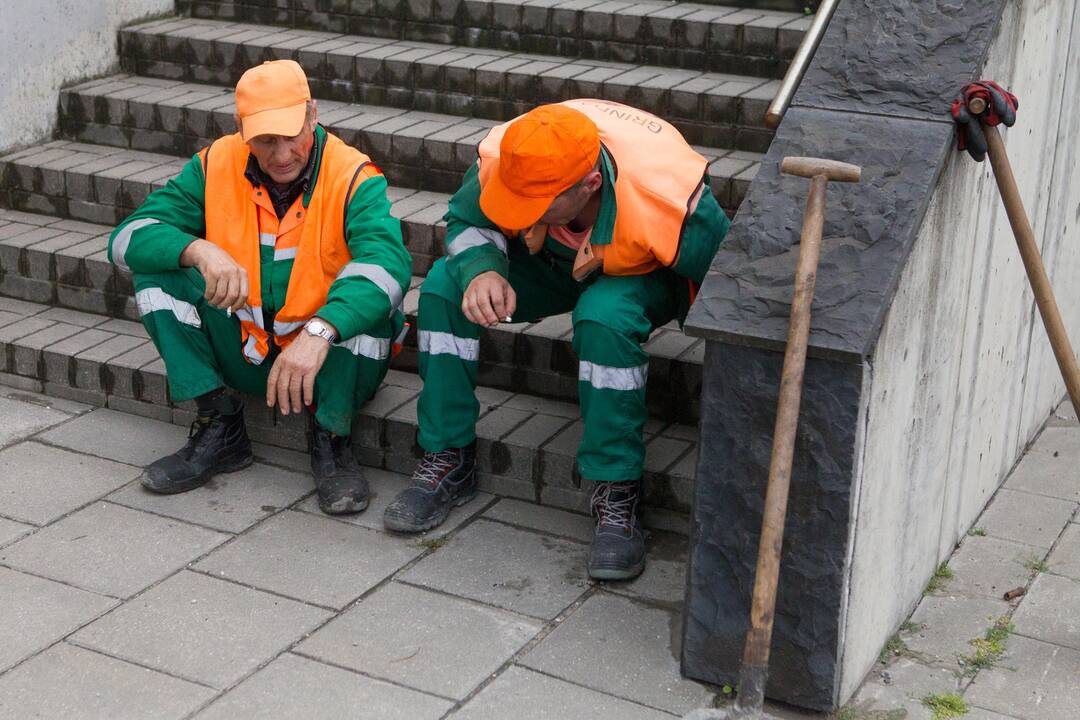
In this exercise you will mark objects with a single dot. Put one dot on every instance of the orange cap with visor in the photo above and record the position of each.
(272, 98)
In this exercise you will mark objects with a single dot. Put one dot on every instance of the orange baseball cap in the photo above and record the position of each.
(543, 153)
(271, 99)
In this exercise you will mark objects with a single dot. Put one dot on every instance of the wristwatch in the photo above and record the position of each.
(318, 328)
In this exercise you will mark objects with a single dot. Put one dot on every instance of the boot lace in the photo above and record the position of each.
(434, 467)
(613, 508)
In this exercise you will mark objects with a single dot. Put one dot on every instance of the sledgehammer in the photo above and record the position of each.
(755, 664)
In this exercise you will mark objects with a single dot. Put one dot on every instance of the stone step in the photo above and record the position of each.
(422, 150)
(526, 444)
(720, 110)
(61, 262)
(648, 32)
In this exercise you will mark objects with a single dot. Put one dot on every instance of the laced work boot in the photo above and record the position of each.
(441, 481)
(217, 443)
(339, 479)
(618, 546)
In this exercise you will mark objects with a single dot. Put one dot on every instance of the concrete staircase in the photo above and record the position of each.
(415, 84)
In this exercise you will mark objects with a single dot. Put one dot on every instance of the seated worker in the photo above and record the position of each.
(586, 206)
(270, 265)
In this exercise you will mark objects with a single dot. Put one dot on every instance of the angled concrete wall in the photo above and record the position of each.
(962, 376)
(50, 43)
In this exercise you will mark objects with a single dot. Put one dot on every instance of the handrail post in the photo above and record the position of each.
(797, 69)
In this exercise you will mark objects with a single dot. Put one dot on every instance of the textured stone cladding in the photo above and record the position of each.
(877, 95)
(738, 413)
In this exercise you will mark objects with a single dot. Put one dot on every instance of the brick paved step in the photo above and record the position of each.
(685, 35)
(526, 444)
(61, 262)
(721, 110)
(416, 149)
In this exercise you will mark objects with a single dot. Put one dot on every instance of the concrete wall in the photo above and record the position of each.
(962, 376)
(50, 43)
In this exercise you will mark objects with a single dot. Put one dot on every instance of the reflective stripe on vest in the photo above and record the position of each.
(155, 299)
(443, 343)
(605, 377)
(657, 178)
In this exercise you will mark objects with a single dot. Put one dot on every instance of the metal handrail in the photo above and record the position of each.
(797, 69)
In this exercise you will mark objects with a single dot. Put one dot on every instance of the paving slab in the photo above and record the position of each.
(989, 567)
(201, 629)
(523, 571)
(910, 681)
(425, 640)
(625, 648)
(311, 558)
(664, 579)
(232, 502)
(296, 687)
(72, 480)
(1065, 558)
(1034, 681)
(947, 624)
(111, 549)
(46, 401)
(384, 487)
(77, 684)
(522, 694)
(20, 420)
(11, 531)
(1051, 611)
(38, 612)
(1022, 517)
(1049, 466)
(545, 519)
(118, 436)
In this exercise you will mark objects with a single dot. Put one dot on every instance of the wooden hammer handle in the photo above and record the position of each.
(809, 167)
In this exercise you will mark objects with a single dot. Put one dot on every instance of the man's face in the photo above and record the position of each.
(284, 158)
(569, 204)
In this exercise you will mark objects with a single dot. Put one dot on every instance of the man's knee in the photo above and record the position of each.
(609, 316)
(185, 284)
(438, 283)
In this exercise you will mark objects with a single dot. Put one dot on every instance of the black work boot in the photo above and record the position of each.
(442, 480)
(339, 479)
(618, 546)
(217, 443)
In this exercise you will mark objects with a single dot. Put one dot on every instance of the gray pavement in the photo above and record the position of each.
(241, 600)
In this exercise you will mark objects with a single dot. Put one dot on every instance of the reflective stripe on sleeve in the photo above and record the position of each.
(476, 237)
(155, 299)
(285, 254)
(367, 346)
(378, 275)
(123, 239)
(267, 239)
(442, 343)
(604, 377)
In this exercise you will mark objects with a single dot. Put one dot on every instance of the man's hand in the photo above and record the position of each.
(489, 299)
(226, 281)
(291, 384)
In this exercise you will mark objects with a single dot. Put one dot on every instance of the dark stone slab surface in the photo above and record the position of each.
(738, 411)
(900, 57)
(870, 227)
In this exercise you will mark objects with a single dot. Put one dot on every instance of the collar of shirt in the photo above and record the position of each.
(283, 196)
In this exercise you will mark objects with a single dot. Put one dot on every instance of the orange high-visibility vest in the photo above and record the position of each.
(240, 219)
(658, 180)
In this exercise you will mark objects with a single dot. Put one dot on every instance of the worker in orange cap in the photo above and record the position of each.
(586, 206)
(270, 265)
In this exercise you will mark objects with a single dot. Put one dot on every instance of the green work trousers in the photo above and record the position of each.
(202, 350)
(612, 317)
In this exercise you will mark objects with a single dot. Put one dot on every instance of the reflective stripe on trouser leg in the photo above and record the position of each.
(449, 348)
(612, 373)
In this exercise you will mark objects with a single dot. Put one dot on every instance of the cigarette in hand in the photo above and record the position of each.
(507, 319)
(228, 312)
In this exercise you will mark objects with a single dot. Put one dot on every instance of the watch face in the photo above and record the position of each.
(315, 327)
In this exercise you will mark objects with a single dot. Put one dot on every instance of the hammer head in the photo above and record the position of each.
(833, 170)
